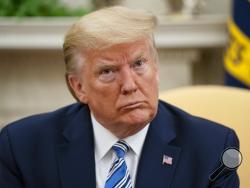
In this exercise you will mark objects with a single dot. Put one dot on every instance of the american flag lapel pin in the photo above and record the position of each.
(167, 160)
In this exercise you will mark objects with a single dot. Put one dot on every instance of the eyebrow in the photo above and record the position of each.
(106, 62)
(138, 55)
(103, 66)
(100, 66)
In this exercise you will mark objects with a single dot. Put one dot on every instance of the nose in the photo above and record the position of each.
(128, 84)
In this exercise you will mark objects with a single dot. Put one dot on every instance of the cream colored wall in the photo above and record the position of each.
(31, 82)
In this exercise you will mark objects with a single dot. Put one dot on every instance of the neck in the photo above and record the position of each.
(124, 132)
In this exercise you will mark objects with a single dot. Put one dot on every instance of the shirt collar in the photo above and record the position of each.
(104, 139)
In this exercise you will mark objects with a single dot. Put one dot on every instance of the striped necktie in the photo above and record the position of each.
(118, 176)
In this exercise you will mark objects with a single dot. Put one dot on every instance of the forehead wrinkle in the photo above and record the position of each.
(135, 54)
(121, 57)
(121, 53)
(130, 56)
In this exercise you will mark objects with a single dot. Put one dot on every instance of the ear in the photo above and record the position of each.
(156, 67)
(157, 75)
(77, 88)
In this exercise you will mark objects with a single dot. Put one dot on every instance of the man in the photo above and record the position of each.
(118, 134)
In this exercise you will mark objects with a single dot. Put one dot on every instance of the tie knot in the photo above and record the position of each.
(120, 148)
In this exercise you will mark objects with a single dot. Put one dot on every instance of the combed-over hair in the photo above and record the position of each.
(104, 28)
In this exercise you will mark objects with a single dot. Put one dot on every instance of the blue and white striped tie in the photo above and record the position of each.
(118, 176)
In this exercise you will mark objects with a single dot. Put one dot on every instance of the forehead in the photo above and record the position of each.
(127, 50)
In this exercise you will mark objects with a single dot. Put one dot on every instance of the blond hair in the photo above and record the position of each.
(102, 29)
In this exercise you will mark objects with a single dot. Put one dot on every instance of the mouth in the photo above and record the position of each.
(132, 105)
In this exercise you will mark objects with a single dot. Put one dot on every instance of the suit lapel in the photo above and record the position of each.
(76, 152)
(151, 171)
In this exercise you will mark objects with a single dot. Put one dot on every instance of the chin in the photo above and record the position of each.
(139, 117)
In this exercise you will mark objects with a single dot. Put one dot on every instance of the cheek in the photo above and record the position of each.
(102, 94)
(155, 78)
(150, 82)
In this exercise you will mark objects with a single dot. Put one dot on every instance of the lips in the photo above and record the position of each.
(132, 105)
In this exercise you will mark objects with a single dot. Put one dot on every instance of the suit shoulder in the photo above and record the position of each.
(204, 138)
(188, 125)
(43, 121)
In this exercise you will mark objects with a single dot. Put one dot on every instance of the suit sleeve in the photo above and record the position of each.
(228, 178)
(9, 173)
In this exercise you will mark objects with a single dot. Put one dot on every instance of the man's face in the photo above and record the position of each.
(120, 86)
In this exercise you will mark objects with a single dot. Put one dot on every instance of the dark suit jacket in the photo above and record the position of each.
(56, 149)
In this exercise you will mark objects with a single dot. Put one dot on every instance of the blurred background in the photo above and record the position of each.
(192, 37)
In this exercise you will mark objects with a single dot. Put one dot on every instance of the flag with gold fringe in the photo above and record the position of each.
(237, 56)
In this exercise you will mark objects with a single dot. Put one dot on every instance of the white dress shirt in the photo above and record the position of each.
(105, 156)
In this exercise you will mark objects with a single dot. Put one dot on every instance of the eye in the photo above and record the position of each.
(138, 63)
(107, 74)
(106, 71)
